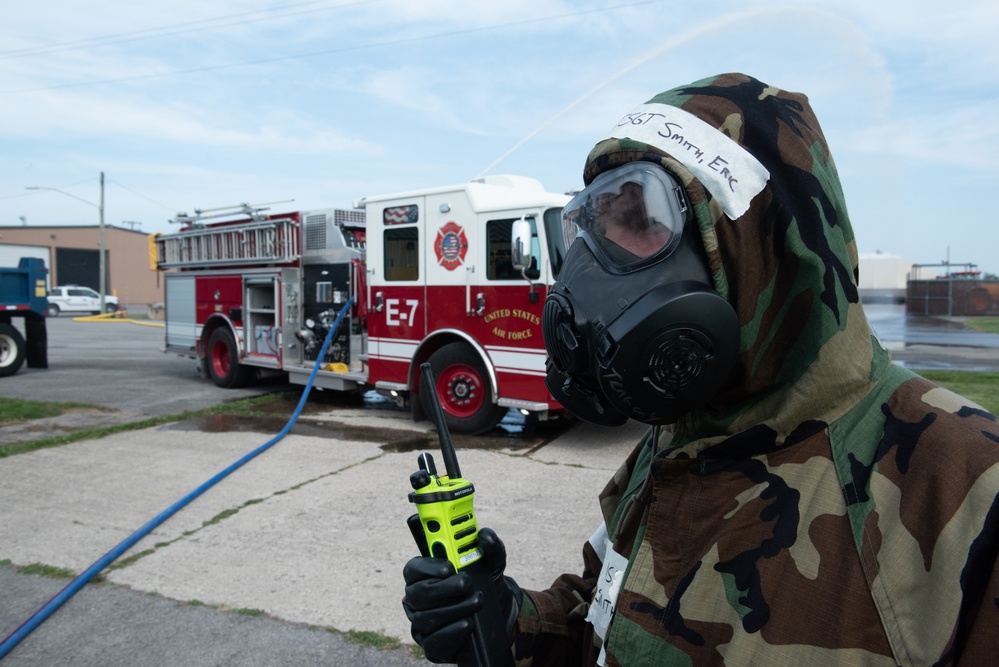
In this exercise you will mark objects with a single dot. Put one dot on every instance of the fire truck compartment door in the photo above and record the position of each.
(452, 252)
(397, 235)
(181, 326)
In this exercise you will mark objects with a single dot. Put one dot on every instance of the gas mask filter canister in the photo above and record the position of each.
(633, 326)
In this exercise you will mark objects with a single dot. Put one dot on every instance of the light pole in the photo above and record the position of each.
(100, 233)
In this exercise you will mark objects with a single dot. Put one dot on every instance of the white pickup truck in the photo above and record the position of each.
(78, 299)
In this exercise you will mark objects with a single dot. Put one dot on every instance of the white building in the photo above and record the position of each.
(883, 277)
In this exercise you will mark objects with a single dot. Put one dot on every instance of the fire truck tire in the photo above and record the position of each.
(464, 390)
(222, 359)
(11, 350)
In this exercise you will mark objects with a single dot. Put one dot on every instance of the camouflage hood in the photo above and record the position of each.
(772, 216)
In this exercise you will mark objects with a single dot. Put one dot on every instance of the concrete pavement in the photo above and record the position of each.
(310, 533)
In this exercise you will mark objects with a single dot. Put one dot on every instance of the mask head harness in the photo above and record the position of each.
(633, 326)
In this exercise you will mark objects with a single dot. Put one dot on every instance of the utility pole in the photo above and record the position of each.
(100, 234)
(100, 245)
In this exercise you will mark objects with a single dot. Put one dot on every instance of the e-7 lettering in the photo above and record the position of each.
(394, 316)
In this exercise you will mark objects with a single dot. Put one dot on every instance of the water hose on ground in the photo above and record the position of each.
(74, 586)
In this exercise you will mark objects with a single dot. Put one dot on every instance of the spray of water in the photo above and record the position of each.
(691, 35)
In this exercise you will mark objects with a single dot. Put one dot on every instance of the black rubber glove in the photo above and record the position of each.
(440, 604)
(508, 592)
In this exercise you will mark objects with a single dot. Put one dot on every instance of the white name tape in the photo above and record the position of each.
(729, 172)
(601, 611)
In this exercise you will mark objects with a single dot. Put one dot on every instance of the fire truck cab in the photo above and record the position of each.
(456, 276)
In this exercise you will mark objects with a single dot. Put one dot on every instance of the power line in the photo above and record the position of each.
(18, 196)
(172, 209)
(61, 187)
(323, 52)
(178, 28)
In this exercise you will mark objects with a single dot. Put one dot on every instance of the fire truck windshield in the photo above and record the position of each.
(556, 244)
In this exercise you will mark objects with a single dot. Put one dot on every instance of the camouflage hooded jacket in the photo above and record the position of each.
(828, 507)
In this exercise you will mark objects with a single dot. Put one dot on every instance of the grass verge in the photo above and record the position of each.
(14, 410)
(242, 407)
(41, 570)
(983, 324)
(372, 639)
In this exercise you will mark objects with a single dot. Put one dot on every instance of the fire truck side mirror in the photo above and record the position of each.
(520, 244)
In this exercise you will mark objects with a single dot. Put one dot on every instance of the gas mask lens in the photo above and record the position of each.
(633, 215)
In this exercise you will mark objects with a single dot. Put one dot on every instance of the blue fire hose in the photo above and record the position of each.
(74, 586)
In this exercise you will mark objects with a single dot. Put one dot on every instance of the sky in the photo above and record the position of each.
(297, 105)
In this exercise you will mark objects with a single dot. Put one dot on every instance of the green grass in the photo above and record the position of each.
(984, 324)
(128, 560)
(982, 388)
(21, 411)
(14, 410)
(225, 514)
(244, 611)
(372, 639)
(50, 571)
(40, 569)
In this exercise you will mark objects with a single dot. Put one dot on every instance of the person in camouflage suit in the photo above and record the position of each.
(826, 507)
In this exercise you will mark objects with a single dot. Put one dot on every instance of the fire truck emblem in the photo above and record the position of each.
(451, 246)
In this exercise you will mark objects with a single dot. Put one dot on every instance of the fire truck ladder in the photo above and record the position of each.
(268, 241)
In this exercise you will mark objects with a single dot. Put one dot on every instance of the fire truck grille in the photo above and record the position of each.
(315, 232)
(348, 217)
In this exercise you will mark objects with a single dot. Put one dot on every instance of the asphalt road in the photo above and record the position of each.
(121, 366)
(936, 343)
(891, 324)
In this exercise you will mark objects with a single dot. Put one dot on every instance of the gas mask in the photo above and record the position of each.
(633, 326)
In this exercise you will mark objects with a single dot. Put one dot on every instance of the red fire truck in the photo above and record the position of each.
(456, 276)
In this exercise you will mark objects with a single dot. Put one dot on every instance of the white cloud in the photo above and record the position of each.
(960, 138)
(56, 114)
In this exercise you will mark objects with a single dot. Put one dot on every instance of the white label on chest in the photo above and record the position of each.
(605, 598)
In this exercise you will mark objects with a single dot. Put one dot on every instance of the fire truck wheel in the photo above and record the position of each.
(11, 349)
(464, 390)
(223, 360)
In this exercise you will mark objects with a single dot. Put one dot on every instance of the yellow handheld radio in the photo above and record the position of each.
(445, 527)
